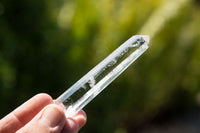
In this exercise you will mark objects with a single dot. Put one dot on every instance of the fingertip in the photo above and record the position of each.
(53, 115)
(81, 118)
(74, 124)
(44, 97)
(71, 126)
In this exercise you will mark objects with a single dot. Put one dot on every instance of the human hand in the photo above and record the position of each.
(41, 115)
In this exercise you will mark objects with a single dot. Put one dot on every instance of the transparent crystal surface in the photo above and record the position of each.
(90, 85)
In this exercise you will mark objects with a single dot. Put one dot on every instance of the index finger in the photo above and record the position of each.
(24, 113)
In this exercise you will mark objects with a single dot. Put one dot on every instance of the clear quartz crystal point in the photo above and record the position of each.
(90, 85)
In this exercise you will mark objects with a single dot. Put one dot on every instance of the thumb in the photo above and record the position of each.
(50, 120)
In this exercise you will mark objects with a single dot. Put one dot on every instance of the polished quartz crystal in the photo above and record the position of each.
(90, 85)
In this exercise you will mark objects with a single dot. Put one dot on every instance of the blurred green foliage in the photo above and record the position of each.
(45, 46)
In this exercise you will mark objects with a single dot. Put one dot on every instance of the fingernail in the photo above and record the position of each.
(52, 116)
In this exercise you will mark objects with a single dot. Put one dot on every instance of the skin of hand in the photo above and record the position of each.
(41, 115)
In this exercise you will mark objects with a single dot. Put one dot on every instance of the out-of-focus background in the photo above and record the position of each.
(47, 45)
